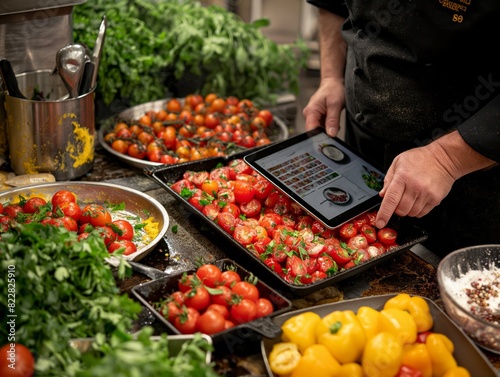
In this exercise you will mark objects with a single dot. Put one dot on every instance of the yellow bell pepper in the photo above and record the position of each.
(416, 306)
(283, 358)
(400, 323)
(417, 356)
(440, 349)
(382, 356)
(369, 319)
(300, 329)
(457, 372)
(350, 370)
(316, 361)
(342, 334)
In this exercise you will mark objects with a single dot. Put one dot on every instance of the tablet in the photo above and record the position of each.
(323, 174)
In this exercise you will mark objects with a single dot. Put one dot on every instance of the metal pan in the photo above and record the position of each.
(408, 233)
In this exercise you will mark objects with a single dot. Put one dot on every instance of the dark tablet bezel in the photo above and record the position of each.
(253, 158)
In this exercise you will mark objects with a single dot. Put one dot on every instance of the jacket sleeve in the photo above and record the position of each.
(482, 130)
(335, 6)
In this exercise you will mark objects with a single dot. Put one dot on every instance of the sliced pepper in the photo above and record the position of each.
(416, 306)
(457, 372)
(369, 319)
(440, 349)
(382, 356)
(417, 356)
(300, 329)
(400, 323)
(342, 334)
(316, 361)
(283, 358)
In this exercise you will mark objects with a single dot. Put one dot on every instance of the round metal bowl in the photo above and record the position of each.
(135, 202)
(277, 131)
(456, 274)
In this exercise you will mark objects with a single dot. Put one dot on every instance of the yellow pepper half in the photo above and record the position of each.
(440, 349)
(316, 361)
(417, 356)
(400, 323)
(382, 356)
(369, 319)
(457, 372)
(416, 306)
(342, 334)
(300, 329)
(350, 370)
(283, 358)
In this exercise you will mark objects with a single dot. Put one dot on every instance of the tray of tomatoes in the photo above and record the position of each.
(177, 130)
(220, 299)
(283, 241)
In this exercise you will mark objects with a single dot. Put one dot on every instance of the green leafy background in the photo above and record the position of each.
(151, 46)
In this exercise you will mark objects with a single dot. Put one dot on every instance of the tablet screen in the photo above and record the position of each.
(323, 174)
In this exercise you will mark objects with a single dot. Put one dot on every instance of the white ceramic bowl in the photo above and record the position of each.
(456, 273)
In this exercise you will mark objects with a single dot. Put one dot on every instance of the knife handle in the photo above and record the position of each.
(85, 83)
(9, 79)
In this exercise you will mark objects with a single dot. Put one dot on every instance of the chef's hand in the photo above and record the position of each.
(325, 106)
(420, 178)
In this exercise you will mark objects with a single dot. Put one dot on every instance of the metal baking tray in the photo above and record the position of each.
(232, 339)
(409, 234)
(466, 353)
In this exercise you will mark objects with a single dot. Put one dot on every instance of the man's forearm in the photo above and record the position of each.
(333, 48)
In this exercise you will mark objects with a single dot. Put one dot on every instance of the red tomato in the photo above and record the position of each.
(263, 189)
(267, 116)
(270, 221)
(246, 290)
(387, 236)
(239, 166)
(348, 230)
(12, 210)
(338, 253)
(20, 357)
(209, 274)
(210, 322)
(1, 209)
(186, 282)
(260, 245)
(107, 233)
(223, 296)
(62, 196)
(244, 234)
(244, 311)
(123, 229)
(186, 321)
(327, 265)
(129, 246)
(197, 298)
(264, 307)
(232, 209)
(274, 265)
(369, 232)
(95, 214)
(251, 208)
(182, 184)
(296, 266)
(170, 310)
(226, 221)
(32, 205)
(243, 191)
(69, 223)
(229, 278)
(222, 309)
(71, 209)
(360, 221)
(211, 211)
(357, 242)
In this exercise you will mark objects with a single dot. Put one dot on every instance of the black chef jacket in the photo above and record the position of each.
(415, 70)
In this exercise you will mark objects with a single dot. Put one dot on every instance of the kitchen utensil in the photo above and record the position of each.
(70, 63)
(9, 79)
(465, 352)
(136, 203)
(97, 53)
(409, 234)
(86, 81)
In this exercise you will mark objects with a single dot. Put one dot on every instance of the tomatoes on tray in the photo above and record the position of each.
(288, 244)
(190, 129)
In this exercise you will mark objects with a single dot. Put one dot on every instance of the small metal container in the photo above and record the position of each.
(54, 135)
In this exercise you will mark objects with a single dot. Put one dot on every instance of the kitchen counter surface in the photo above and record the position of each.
(413, 272)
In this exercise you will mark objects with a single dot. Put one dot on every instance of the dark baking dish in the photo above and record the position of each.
(409, 234)
(233, 339)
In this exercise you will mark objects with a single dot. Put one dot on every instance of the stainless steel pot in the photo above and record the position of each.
(50, 136)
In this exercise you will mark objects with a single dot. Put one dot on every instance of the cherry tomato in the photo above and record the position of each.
(24, 362)
(244, 311)
(369, 232)
(264, 307)
(223, 296)
(246, 290)
(267, 116)
(387, 236)
(95, 214)
(251, 208)
(244, 234)
(123, 229)
(186, 321)
(296, 266)
(32, 204)
(222, 309)
(128, 246)
(348, 230)
(170, 310)
(197, 298)
(243, 191)
(71, 209)
(209, 274)
(210, 322)
(62, 196)
(136, 150)
(187, 281)
(229, 278)
(327, 265)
